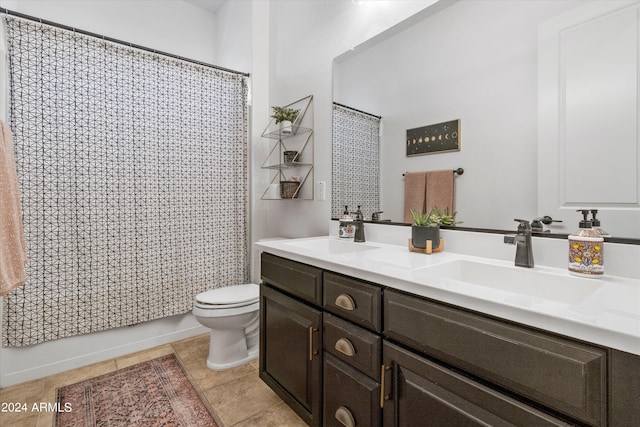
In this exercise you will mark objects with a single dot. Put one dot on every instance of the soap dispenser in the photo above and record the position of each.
(586, 250)
(595, 223)
(347, 226)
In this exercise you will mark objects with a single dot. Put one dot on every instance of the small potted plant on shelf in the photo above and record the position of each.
(285, 117)
(426, 226)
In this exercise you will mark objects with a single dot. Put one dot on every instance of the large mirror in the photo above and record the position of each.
(479, 62)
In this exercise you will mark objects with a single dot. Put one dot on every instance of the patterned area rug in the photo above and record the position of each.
(153, 393)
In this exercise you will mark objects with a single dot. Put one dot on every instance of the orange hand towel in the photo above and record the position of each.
(414, 193)
(440, 190)
(12, 248)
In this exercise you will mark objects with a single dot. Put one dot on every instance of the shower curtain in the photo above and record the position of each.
(356, 162)
(133, 172)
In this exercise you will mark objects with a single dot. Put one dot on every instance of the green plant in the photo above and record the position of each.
(443, 218)
(433, 217)
(422, 219)
(282, 114)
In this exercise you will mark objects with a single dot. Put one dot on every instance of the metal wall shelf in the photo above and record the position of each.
(300, 139)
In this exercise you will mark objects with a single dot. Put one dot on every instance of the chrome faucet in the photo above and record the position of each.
(522, 240)
(358, 236)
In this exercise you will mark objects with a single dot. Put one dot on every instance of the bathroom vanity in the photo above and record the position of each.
(370, 334)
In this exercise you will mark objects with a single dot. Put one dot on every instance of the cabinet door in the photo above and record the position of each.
(418, 392)
(290, 352)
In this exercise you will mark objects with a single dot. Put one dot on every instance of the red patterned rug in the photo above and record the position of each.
(153, 393)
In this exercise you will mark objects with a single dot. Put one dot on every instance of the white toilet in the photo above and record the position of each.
(232, 315)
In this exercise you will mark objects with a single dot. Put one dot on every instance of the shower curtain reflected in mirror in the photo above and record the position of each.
(356, 161)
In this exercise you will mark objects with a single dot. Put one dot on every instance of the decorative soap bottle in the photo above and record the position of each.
(347, 226)
(586, 250)
(595, 223)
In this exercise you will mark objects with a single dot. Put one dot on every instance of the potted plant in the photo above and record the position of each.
(426, 226)
(284, 117)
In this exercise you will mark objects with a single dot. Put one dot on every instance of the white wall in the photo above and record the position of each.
(473, 61)
(305, 38)
(172, 26)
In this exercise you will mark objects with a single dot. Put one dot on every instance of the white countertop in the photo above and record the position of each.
(607, 314)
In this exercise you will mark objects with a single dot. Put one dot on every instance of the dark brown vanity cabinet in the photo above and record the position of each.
(345, 352)
(291, 335)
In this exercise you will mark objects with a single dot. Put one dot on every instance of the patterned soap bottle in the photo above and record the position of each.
(586, 250)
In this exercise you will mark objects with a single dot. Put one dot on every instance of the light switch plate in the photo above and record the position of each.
(321, 190)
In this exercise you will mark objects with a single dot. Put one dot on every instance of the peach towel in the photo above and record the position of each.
(414, 193)
(12, 248)
(440, 190)
(426, 190)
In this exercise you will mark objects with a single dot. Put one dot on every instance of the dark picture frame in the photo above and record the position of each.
(436, 138)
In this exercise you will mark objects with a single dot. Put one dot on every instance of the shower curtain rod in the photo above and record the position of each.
(356, 110)
(112, 40)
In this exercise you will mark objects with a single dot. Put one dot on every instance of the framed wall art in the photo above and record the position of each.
(435, 138)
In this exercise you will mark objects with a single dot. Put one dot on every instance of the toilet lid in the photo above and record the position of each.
(230, 295)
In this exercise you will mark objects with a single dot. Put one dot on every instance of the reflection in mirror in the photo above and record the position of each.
(476, 62)
(356, 165)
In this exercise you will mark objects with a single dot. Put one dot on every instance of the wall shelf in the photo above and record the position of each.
(284, 172)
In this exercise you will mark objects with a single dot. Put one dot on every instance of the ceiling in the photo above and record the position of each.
(208, 5)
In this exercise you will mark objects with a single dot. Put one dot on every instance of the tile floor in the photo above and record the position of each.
(238, 396)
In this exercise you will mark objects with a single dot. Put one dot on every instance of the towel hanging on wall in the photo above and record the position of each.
(12, 247)
(414, 193)
(439, 190)
(426, 190)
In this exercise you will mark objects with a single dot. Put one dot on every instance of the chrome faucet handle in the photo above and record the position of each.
(524, 226)
(537, 223)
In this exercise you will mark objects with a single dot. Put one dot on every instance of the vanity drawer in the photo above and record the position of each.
(562, 374)
(420, 392)
(350, 397)
(352, 299)
(300, 280)
(353, 345)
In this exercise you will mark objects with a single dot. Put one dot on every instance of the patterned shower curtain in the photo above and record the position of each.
(133, 175)
(356, 162)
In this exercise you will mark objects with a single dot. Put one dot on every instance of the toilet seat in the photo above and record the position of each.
(228, 297)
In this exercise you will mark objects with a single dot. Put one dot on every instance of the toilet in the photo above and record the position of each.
(232, 315)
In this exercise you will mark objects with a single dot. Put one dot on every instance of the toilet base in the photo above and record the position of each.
(228, 349)
(215, 366)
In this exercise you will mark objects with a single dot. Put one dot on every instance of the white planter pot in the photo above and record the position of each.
(286, 127)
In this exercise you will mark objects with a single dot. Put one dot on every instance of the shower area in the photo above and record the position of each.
(132, 168)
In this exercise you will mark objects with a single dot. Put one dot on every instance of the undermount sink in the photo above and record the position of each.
(531, 282)
(331, 246)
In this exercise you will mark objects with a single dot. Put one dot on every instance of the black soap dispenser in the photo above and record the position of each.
(586, 250)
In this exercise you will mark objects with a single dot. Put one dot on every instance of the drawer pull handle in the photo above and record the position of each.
(345, 347)
(344, 417)
(345, 301)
